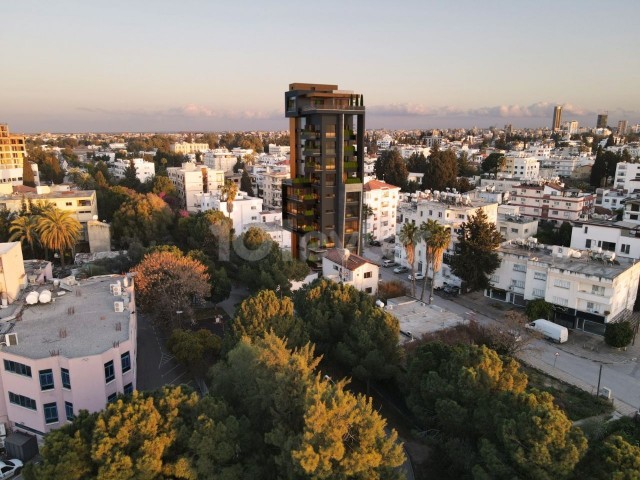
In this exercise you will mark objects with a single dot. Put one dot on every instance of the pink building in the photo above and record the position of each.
(67, 346)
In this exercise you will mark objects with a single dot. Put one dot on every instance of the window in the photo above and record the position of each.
(68, 410)
(540, 276)
(46, 379)
(125, 360)
(517, 283)
(561, 301)
(128, 389)
(514, 230)
(109, 372)
(519, 268)
(495, 278)
(22, 401)
(50, 412)
(555, 212)
(368, 274)
(597, 290)
(368, 290)
(538, 292)
(625, 248)
(19, 368)
(562, 283)
(112, 398)
(335, 267)
(66, 379)
(587, 244)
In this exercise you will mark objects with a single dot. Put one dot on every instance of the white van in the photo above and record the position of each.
(551, 330)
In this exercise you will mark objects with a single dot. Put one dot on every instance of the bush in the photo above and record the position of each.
(539, 309)
(618, 334)
(392, 289)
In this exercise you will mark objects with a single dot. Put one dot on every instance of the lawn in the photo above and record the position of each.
(577, 403)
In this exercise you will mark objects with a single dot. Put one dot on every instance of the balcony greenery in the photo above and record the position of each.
(353, 180)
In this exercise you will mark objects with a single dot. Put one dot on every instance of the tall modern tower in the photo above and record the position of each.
(322, 202)
(557, 118)
(12, 156)
(603, 118)
(622, 127)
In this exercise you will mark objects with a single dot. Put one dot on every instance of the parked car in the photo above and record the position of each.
(9, 468)
(451, 290)
(375, 243)
(388, 263)
(400, 269)
(419, 276)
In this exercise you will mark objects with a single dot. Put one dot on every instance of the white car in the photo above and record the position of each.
(419, 276)
(10, 467)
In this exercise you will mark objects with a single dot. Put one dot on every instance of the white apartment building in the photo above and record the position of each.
(627, 177)
(512, 225)
(611, 199)
(246, 209)
(383, 199)
(272, 188)
(81, 203)
(192, 179)
(188, 147)
(525, 168)
(552, 202)
(385, 142)
(144, 170)
(621, 238)
(219, 159)
(631, 212)
(447, 209)
(241, 152)
(561, 166)
(341, 266)
(279, 150)
(587, 289)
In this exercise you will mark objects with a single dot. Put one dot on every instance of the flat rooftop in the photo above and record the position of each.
(418, 318)
(5, 247)
(77, 323)
(587, 264)
(52, 195)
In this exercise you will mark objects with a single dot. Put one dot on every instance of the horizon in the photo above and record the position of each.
(152, 67)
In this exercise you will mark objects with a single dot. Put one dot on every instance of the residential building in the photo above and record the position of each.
(188, 147)
(561, 166)
(13, 154)
(587, 289)
(621, 238)
(611, 199)
(245, 210)
(448, 209)
(383, 199)
(512, 225)
(557, 118)
(602, 121)
(81, 203)
(572, 127)
(525, 168)
(77, 353)
(12, 275)
(552, 202)
(144, 170)
(193, 179)
(279, 150)
(342, 266)
(323, 198)
(631, 212)
(627, 176)
(622, 127)
(219, 159)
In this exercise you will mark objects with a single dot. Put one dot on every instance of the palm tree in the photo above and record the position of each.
(229, 192)
(367, 211)
(425, 233)
(409, 236)
(25, 229)
(58, 230)
(437, 242)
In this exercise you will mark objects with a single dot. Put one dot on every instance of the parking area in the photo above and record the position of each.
(156, 366)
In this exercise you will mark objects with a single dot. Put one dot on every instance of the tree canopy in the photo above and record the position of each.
(143, 217)
(391, 168)
(442, 170)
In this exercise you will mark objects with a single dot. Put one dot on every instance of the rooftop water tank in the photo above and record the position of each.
(45, 296)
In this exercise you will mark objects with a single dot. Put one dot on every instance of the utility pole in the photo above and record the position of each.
(599, 377)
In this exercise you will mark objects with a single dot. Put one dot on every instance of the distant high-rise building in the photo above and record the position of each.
(622, 127)
(322, 202)
(557, 118)
(603, 118)
(12, 156)
(508, 129)
(572, 127)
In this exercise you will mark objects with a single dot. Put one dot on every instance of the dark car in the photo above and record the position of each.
(451, 290)
(375, 243)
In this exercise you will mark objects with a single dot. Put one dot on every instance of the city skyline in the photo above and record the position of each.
(151, 67)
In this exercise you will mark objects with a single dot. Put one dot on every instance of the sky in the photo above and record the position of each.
(139, 65)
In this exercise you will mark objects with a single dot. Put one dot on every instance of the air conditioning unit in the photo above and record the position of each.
(118, 307)
(11, 339)
(115, 289)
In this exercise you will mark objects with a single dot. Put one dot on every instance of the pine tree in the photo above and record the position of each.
(28, 178)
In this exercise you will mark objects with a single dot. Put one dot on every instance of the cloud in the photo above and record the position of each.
(190, 110)
(535, 110)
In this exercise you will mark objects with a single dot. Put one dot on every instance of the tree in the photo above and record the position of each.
(167, 283)
(437, 239)
(58, 230)
(442, 170)
(25, 229)
(367, 212)
(409, 236)
(142, 217)
(130, 179)
(194, 350)
(245, 183)
(391, 167)
(347, 325)
(475, 257)
(392, 289)
(490, 425)
(163, 186)
(229, 192)
(618, 334)
(6, 219)
(493, 163)
(28, 178)
(265, 312)
(465, 169)
(564, 234)
(539, 308)
(208, 231)
(417, 163)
